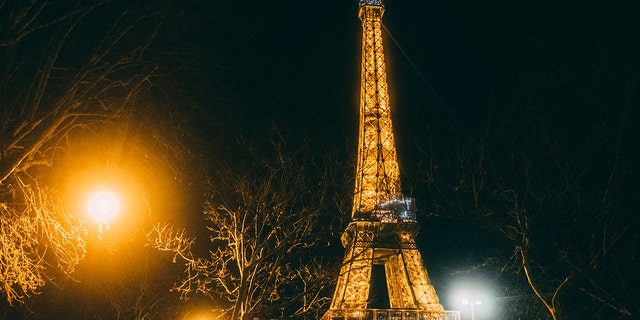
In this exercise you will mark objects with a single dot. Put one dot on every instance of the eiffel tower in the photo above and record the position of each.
(383, 222)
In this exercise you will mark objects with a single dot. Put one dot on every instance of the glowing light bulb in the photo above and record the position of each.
(103, 206)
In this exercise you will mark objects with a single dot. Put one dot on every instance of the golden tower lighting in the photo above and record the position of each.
(383, 223)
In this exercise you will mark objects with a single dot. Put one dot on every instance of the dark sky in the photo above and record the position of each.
(448, 62)
(464, 50)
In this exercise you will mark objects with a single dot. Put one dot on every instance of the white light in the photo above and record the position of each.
(103, 206)
(471, 304)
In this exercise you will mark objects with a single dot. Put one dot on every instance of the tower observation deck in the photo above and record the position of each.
(383, 222)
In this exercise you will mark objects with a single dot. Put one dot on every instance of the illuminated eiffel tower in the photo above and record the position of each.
(383, 222)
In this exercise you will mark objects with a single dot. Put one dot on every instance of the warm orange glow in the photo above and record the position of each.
(126, 162)
(203, 314)
(110, 200)
(103, 206)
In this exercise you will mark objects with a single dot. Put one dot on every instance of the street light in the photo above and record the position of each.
(103, 206)
(472, 304)
(110, 200)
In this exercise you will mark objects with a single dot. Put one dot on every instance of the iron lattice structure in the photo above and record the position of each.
(383, 224)
(377, 174)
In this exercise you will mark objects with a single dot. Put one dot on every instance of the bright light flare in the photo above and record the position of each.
(474, 298)
(466, 301)
(103, 206)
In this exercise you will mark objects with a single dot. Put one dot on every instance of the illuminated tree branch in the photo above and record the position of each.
(263, 227)
(41, 232)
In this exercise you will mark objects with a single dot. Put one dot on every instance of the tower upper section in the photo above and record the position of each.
(377, 175)
(378, 3)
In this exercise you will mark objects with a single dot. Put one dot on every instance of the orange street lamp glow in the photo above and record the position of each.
(103, 206)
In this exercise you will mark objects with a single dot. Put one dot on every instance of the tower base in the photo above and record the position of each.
(410, 293)
(389, 314)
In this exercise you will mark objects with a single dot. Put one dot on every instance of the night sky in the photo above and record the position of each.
(452, 65)
(449, 63)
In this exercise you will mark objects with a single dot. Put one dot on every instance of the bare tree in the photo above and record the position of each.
(65, 68)
(66, 65)
(558, 194)
(26, 234)
(129, 282)
(265, 227)
(545, 184)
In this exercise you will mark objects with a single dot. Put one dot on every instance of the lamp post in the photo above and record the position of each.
(472, 304)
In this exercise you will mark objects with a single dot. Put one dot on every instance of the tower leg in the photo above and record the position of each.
(400, 295)
(423, 291)
(352, 290)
